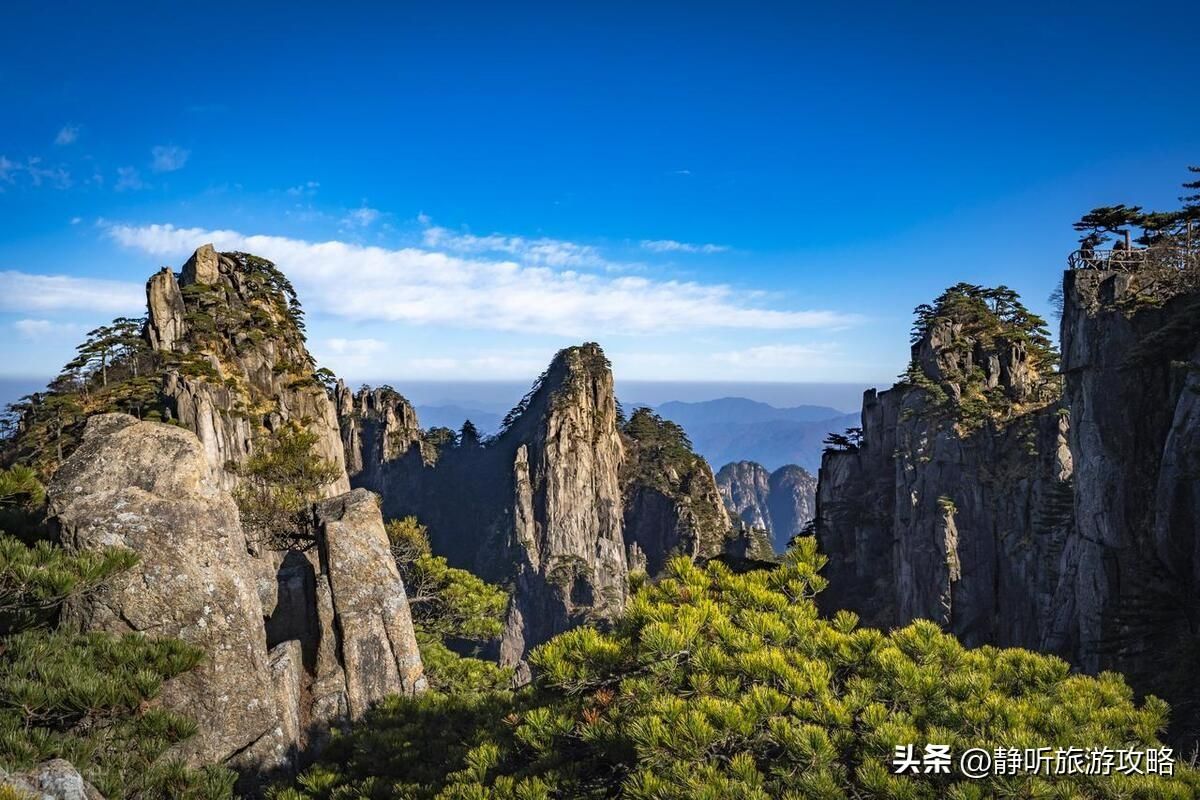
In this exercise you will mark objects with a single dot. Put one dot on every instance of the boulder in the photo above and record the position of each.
(56, 779)
(148, 487)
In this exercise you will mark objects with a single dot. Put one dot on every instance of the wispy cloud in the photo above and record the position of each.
(23, 291)
(128, 179)
(35, 173)
(672, 246)
(41, 329)
(67, 134)
(168, 158)
(306, 189)
(441, 286)
(362, 217)
(540, 251)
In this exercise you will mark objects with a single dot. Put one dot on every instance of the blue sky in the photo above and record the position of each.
(713, 191)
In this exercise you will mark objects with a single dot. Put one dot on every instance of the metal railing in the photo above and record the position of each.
(1136, 259)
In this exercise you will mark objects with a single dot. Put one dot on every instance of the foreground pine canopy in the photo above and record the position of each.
(723, 685)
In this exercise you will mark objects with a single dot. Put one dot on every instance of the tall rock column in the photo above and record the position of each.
(566, 454)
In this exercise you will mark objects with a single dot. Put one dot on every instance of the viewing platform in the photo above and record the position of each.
(1136, 259)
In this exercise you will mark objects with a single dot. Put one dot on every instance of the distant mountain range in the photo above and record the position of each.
(725, 430)
(736, 429)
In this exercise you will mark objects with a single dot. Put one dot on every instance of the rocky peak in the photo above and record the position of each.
(566, 453)
(230, 335)
(780, 502)
(377, 426)
(979, 353)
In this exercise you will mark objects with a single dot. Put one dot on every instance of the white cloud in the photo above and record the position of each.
(427, 287)
(128, 178)
(349, 355)
(67, 134)
(40, 329)
(672, 246)
(168, 158)
(540, 251)
(306, 189)
(7, 168)
(778, 355)
(362, 217)
(23, 291)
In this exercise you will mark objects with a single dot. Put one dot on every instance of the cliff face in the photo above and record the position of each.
(780, 502)
(566, 502)
(294, 642)
(1131, 358)
(1070, 528)
(954, 505)
(558, 506)
(672, 505)
(229, 333)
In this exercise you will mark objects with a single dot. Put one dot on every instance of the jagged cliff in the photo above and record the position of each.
(950, 504)
(1131, 364)
(537, 508)
(557, 507)
(228, 332)
(1066, 524)
(781, 503)
(294, 642)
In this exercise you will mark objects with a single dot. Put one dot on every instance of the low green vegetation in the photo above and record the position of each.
(449, 607)
(723, 685)
(279, 483)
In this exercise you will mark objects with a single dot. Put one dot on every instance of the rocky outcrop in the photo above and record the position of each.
(566, 502)
(370, 610)
(1070, 528)
(294, 642)
(1131, 361)
(537, 507)
(781, 503)
(229, 334)
(954, 504)
(378, 426)
(147, 487)
(56, 779)
(672, 505)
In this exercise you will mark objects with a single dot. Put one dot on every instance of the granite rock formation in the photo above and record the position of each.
(229, 333)
(672, 504)
(554, 506)
(1131, 364)
(781, 502)
(56, 779)
(1068, 527)
(294, 642)
(951, 506)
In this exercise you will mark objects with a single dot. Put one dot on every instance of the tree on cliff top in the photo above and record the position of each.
(722, 685)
